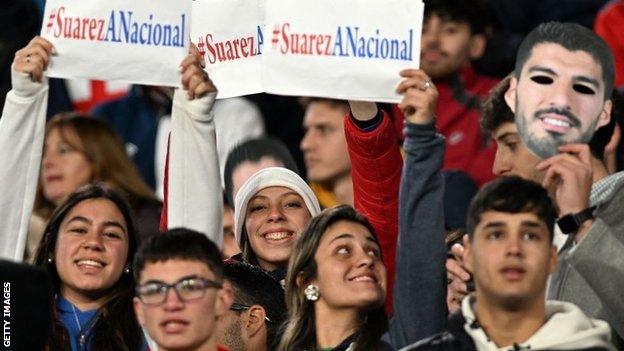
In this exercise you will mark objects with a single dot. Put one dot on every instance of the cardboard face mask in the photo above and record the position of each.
(558, 99)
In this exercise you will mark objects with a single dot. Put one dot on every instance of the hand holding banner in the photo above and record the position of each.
(138, 41)
(350, 49)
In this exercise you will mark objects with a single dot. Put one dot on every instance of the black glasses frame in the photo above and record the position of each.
(207, 284)
(238, 307)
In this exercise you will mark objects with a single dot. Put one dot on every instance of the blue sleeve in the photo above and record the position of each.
(420, 286)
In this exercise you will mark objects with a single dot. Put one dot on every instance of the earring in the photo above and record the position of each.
(49, 259)
(312, 292)
(127, 270)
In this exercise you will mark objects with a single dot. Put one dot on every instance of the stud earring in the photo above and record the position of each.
(127, 270)
(49, 259)
(312, 292)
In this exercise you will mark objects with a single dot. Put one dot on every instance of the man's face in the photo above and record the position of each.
(177, 324)
(324, 145)
(448, 46)
(511, 256)
(558, 99)
(512, 156)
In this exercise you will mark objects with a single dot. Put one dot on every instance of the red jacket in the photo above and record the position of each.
(376, 166)
(609, 26)
(458, 114)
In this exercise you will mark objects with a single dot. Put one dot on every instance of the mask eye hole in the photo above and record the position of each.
(583, 89)
(544, 80)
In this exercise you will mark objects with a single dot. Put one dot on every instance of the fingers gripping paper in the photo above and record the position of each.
(136, 41)
(228, 33)
(349, 49)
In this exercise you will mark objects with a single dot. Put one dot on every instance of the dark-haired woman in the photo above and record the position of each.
(87, 248)
(336, 282)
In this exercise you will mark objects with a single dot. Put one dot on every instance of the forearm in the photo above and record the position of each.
(22, 130)
(194, 197)
(420, 289)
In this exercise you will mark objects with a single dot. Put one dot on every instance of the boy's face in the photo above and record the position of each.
(179, 324)
(511, 256)
(558, 99)
(448, 46)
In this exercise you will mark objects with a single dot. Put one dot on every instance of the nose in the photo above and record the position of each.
(501, 165)
(172, 300)
(430, 34)
(275, 213)
(93, 241)
(306, 142)
(364, 259)
(48, 160)
(513, 246)
(559, 94)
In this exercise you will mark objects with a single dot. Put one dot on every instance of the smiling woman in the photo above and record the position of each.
(336, 274)
(271, 209)
(87, 248)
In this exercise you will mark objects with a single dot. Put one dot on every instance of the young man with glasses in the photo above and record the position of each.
(180, 292)
(254, 319)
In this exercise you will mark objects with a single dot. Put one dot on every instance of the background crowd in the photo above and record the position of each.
(157, 218)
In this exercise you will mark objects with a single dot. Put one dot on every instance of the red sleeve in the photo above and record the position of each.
(376, 166)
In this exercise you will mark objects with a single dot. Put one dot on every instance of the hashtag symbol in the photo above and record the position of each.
(51, 20)
(276, 33)
(200, 46)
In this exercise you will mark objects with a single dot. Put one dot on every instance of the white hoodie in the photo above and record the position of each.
(566, 328)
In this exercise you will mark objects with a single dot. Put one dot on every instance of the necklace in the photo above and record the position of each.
(82, 335)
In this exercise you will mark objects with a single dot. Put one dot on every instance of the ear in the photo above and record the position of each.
(605, 115)
(138, 310)
(554, 259)
(255, 320)
(468, 253)
(477, 46)
(225, 297)
(510, 94)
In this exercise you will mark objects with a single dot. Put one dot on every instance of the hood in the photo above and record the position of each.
(566, 328)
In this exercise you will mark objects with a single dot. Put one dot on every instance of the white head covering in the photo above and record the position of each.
(265, 178)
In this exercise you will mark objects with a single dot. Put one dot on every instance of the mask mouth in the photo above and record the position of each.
(558, 121)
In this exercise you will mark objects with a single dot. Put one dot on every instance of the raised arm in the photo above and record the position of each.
(193, 184)
(22, 130)
(420, 285)
(376, 165)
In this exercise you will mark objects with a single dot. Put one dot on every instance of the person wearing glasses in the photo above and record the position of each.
(180, 292)
(258, 311)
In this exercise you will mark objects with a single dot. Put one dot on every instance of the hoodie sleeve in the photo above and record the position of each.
(22, 130)
(193, 187)
(376, 166)
(420, 284)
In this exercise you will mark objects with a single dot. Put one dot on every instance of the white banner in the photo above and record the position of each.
(347, 49)
(229, 35)
(134, 41)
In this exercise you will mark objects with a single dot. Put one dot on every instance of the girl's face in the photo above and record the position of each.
(63, 169)
(350, 273)
(274, 217)
(91, 249)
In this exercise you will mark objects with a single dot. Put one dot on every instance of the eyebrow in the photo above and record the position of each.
(497, 224)
(577, 78)
(157, 281)
(506, 135)
(351, 236)
(282, 195)
(90, 222)
(531, 224)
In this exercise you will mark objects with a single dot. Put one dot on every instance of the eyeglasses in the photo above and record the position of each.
(187, 289)
(237, 307)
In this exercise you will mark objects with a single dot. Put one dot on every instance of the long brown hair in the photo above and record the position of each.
(116, 327)
(105, 153)
(300, 330)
